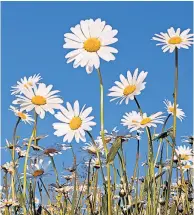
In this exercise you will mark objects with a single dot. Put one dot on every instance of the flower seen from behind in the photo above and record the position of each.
(40, 98)
(174, 39)
(128, 87)
(91, 40)
(73, 122)
(55, 149)
(170, 109)
(38, 168)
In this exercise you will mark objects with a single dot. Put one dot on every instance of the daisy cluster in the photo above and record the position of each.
(89, 43)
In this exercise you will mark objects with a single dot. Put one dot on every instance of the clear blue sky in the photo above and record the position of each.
(32, 40)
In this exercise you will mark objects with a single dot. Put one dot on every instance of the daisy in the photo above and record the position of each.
(40, 98)
(21, 153)
(68, 177)
(184, 153)
(55, 149)
(186, 165)
(8, 167)
(93, 149)
(128, 87)
(9, 145)
(170, 109)
(135, 121)
(174, 39)
(25, 83)
(94, 163)
(91, 40)
(8, 203)
(188, 139)
(38, 168)
(73, 123)
(23, 116)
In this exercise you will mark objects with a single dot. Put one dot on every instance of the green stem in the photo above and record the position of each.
(47, 193)
(102, 135)
(55, 170)
(98, 155)
(13, 158)
(163, 128)
(175, 92)
(174, 117)
(27, 155)
(150, 165)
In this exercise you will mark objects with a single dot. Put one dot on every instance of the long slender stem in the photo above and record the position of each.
(55, 170)
(175, 92)
(102, 135)
(27, 155)
(151, 173)
(163, 128)
(13, 158)
(174, 121)
(98, 155)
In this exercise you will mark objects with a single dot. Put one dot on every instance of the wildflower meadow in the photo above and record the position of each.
(83, 167)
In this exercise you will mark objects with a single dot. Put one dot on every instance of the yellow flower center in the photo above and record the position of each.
(97, 164)
(175, 40)
(171, 109)
(22, 115)
(38, 100)
(8, 203)
(92, 44)
(129, 89)
(38, 172)
(184, 157)
(28, 84)
(187, 166)
(75, 123)
(92, 150)
(145, 121)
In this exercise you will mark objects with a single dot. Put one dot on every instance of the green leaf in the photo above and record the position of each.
(113, 150)
(163, 134)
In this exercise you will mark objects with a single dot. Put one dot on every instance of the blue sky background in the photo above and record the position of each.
(32, 40)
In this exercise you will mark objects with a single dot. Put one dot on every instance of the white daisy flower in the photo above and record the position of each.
(38, 168)
(170, 109)
(174, 39)
(186, 165)
(184, 153)
(26, 118)
(21, 153)
(40, 98)
(73, 123)
(25, 83)
(91, 40)
(128, 87)
(92, 149)
(55, 149)
(188, 139)
(8, 203)
(94, 163)
(9, 167)
(9, 145)
(135, 121)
